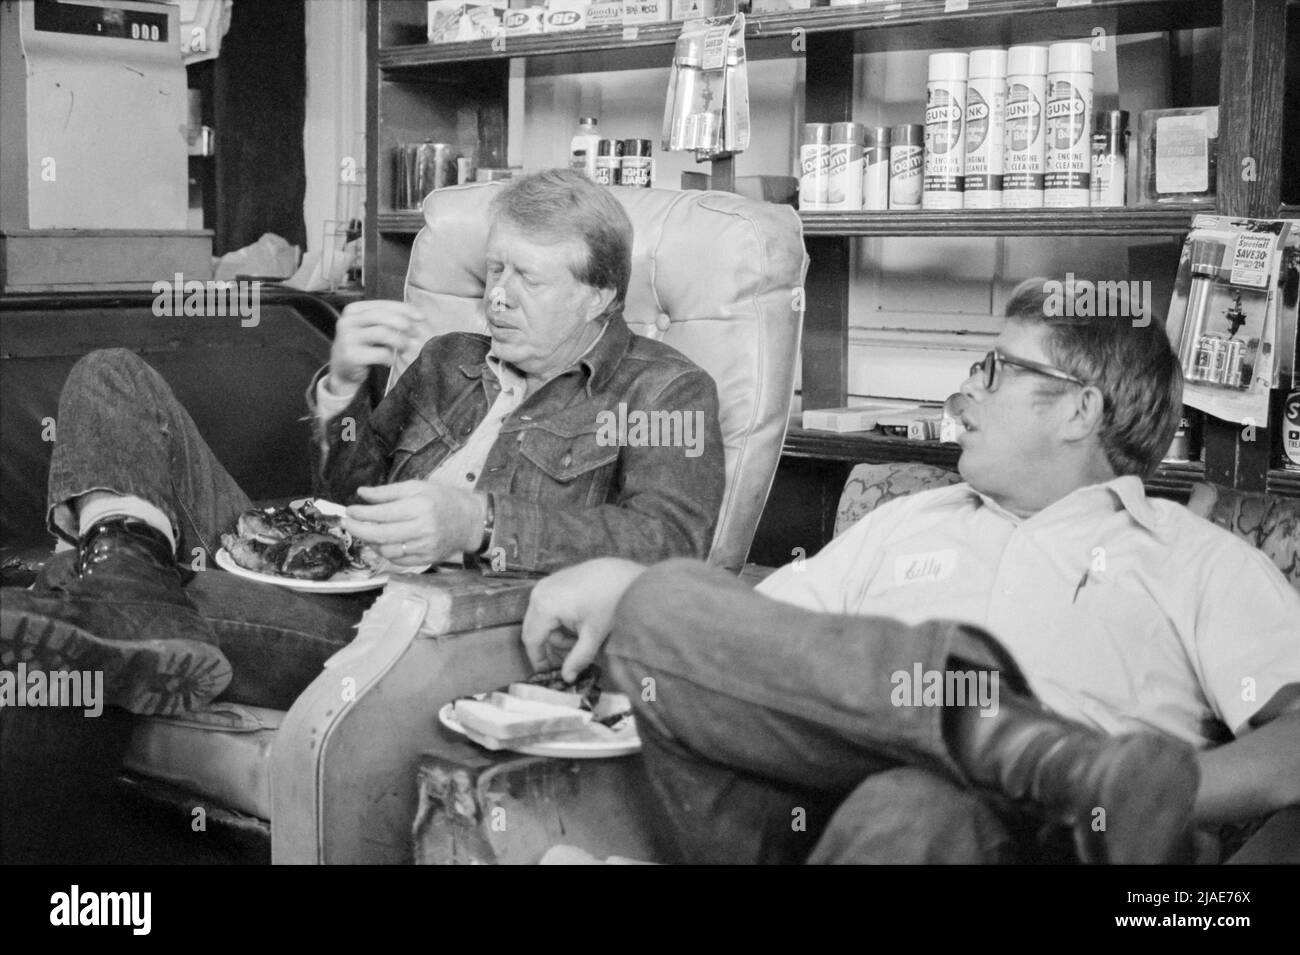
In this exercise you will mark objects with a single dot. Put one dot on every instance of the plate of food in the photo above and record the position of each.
(300, 546)
(545, 717)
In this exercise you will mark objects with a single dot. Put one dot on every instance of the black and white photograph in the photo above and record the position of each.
(652, 432)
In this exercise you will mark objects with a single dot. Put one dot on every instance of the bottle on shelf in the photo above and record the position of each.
(1069, 126)
(582, 148)
(1024, 130)
(1110, 159)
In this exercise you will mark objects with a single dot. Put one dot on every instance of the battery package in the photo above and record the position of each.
(1226, 318)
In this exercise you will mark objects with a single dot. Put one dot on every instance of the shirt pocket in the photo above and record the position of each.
(571, 458)
(420, 446)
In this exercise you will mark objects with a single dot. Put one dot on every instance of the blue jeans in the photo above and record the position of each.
(121, 429)
(769, 734)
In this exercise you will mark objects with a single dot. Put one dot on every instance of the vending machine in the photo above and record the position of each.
(93, 147)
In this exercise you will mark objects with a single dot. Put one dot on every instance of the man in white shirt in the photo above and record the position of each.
(1128, 632)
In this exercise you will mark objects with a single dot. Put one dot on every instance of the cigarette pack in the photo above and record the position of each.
(520, 22)
(563, 15)
(605, 13)
(841, 420)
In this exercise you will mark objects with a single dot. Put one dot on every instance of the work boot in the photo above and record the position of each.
(1128, 799)
(118, 608)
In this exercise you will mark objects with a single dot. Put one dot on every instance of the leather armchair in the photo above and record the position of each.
(714, 275)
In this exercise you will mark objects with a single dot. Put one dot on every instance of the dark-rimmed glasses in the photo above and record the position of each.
(989, 372)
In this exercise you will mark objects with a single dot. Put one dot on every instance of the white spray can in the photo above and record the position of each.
(875, 168)
(945, 128)
(986, 94)
(1025, 133)
(844, 170)
(1069, 126)
(814, 161)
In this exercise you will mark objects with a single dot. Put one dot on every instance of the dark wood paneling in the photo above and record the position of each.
(1250, 104)
(826, 324)
(259, 106)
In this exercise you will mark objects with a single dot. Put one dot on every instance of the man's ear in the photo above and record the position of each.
(1086, 415)
(598, 299)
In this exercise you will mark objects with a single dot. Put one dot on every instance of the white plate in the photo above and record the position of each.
(593, 741)
(344, 582)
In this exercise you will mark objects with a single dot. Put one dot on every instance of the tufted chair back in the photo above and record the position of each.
(713, 275)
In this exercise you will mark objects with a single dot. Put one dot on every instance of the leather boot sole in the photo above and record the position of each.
(165, 677)
(1147, 788)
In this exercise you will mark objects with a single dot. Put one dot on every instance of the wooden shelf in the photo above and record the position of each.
(999, 222)
(969, 222)
(869, 16)
(400, 223)
(1284, 483)
(1173, 479)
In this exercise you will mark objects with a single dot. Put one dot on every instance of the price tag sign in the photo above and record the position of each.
(630, 32)
(955, 6)
(1250, 259)
(1073, 3)
(714, 56)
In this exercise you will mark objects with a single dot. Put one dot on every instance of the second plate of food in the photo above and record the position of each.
(344, 582)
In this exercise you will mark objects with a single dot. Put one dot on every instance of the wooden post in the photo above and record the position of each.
(1251, 88)
(828, 99)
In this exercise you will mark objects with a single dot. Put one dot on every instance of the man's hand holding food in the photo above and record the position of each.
(416, 524)
(571, 613)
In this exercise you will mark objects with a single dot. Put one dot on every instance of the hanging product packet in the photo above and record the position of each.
(707, 106)
(1230, 314)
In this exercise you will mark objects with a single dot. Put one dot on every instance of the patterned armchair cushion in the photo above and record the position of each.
(1270, 523)
(871, 485)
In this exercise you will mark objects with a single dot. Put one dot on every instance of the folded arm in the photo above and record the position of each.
(1259, 772)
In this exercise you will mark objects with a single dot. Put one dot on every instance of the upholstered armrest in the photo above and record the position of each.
(343, 777)
(1266, 521)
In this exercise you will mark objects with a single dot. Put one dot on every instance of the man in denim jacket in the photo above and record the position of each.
(499, 448)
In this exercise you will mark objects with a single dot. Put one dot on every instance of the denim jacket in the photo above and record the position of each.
(568, 482)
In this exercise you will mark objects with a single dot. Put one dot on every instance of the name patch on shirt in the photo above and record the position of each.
(924, 568)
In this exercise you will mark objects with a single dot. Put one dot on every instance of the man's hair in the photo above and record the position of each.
(564, 205)
(1134, 367)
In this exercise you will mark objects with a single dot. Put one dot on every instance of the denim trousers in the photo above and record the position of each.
(121, 429)
(769, 733)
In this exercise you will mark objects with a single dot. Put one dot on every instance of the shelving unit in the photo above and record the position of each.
(419, 90)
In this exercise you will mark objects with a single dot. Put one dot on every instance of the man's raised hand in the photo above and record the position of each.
(368, 333)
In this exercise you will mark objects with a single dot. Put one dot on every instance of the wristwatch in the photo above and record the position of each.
(489, 523)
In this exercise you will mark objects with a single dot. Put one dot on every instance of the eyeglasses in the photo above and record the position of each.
(988, 368)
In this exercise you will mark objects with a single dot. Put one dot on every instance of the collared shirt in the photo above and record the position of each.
(1125, 613)
(463, 466)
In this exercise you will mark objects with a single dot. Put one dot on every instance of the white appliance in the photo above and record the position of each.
(93, 146)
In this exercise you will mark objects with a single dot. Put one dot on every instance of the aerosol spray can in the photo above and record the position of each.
(906, 163)
(1291, 432)
(875, 168)
(637, 166)
(1069, 126)
(814, 160)
(609, 162)
(986, 95)
(1110, 159)
(945, 131)
(844, 171)
(1025, 154)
